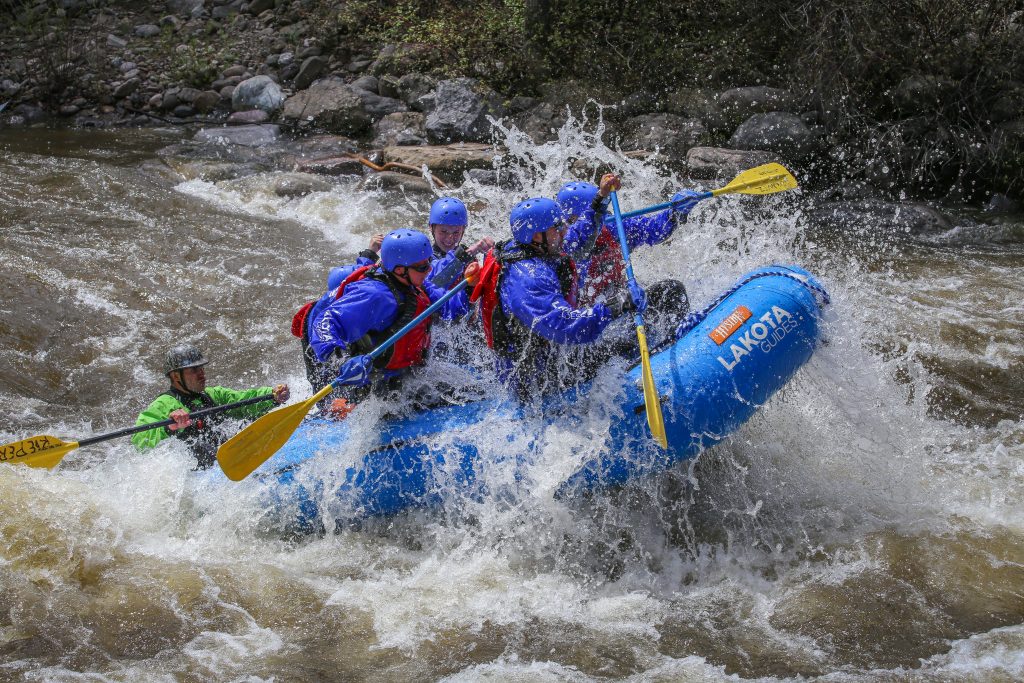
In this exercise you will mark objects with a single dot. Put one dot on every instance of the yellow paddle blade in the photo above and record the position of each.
(240, 455)
(766, 179)
(37, 451)
(655, 420)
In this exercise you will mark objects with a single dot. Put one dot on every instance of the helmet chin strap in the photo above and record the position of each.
(545, 246)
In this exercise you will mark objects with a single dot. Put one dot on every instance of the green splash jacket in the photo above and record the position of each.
(161, 409)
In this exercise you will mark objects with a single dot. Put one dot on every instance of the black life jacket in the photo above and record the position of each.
(507, 335)
(204, 436)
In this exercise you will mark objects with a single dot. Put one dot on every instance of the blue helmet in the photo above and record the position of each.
(404, 247)
(534, 215)
(448, 211)
(576, 197)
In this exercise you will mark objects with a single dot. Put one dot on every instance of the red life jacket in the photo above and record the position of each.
(606, 268)
(412, 348)
(498, 327)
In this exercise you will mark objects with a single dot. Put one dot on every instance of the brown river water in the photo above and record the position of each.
(866, 525)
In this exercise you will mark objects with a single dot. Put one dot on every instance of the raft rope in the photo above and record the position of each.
(693, 319)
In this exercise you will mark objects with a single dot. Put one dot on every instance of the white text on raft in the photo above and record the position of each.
(773, 326)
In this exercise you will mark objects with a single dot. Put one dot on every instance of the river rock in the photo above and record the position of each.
(367, 83)
(127, 88)
(879, 215)
(311, 68)
(461, 108)
(412, 87)
(206, 100)
(329, 104)
(331, 166)
(146, 30)
(258, 92)
(250, 117)
(385, 180)
(212, 171)
(319, 146)
(719, 163)
(400, 128)
(188, 95)
(446, 161)
(246, 136)
(387, 86)
(779, 132)
(298, 184)
(378, 107)
(671, 134)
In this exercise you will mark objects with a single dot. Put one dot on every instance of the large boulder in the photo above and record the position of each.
(671, 134)
(258, 92)
(330, 105)
(779, 132)
(708, 163)
(446, 161)
(461, 108)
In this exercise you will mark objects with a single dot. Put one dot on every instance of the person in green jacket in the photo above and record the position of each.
(183, 365)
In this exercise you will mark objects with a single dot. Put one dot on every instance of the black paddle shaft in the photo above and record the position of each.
(156, 425)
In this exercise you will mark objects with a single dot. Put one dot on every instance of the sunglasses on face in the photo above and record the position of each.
(420, 267)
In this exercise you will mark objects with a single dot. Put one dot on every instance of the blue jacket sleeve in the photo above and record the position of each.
(648, 230)
(446, 270)
(366, 306)
(532, 294)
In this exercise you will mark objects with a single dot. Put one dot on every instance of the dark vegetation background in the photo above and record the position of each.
(931, 89)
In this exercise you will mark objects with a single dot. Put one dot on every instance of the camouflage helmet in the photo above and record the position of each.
(181, 357)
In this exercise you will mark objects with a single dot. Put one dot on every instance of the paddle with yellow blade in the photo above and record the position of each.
(47, 451)
(766, 179)
(240, 455)
(651, 400)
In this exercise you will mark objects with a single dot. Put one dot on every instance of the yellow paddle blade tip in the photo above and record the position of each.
(37, 451)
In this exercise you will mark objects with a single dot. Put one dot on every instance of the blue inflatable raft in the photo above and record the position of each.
(726, 361)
